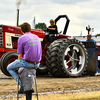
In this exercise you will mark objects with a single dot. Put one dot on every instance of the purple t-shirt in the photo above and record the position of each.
(30, 45)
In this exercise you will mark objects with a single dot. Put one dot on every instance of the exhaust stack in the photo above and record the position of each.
(17, 17)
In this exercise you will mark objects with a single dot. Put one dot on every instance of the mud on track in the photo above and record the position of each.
(48, 83)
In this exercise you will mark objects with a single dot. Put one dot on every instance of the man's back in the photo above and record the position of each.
(30, 45)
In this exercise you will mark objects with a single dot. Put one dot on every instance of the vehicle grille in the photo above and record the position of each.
(1, 36)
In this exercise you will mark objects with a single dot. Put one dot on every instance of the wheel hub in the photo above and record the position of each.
(76, 58)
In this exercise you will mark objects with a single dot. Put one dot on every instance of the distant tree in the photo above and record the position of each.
(97, 34)
(19, 25)
(40, 26)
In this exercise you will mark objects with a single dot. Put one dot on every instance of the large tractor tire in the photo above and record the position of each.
(66, 58)
(6, 59)
(42, 70)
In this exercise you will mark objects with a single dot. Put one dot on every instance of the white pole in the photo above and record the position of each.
(34, 23)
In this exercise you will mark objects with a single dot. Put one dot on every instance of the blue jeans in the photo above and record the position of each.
(18, 64)
(97, 69)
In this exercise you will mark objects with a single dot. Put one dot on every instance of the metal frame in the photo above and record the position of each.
(67, 22)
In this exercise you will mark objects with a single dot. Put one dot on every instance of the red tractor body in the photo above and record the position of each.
(9, 36)
(62, 58)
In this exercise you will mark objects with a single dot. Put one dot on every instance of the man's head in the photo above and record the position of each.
(25, 27)
(89, 37)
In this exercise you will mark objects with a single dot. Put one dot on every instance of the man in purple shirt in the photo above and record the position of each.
(29, 50)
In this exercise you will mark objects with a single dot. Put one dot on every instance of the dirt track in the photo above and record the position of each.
(49, 83)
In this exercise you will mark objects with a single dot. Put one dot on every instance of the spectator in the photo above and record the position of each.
(29, 50)
(92, 40)
(89, 39)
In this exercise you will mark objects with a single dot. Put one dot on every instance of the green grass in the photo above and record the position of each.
(69, 96)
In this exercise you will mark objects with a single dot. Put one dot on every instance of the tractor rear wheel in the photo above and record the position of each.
(6, 59)
(66, 58)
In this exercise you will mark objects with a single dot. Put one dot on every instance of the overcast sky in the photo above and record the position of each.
(80, 12)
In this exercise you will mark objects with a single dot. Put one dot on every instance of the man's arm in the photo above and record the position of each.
(51, 28)
(20, 55)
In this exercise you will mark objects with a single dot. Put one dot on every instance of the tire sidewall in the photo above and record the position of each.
(5, 61)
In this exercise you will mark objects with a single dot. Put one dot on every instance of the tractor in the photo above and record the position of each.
(64, 57)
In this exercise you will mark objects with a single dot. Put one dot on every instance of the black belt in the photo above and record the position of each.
(32, 62)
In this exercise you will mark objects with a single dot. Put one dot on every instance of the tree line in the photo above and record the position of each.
(38, 26)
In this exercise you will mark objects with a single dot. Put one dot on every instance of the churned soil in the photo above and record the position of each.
(48, 83)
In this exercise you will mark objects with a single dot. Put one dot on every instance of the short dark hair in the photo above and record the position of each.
(89, 35)
(25, 27)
